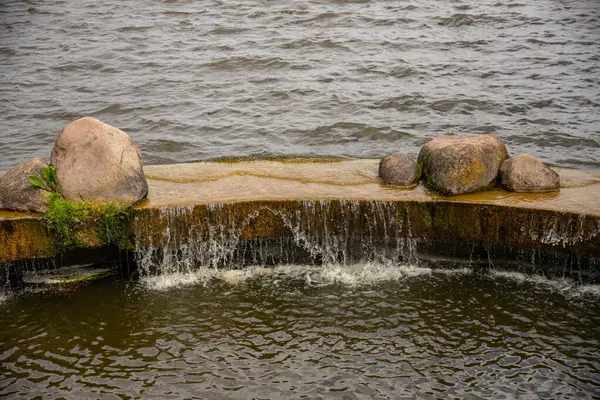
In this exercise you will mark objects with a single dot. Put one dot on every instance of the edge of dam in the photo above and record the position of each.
(261, 195)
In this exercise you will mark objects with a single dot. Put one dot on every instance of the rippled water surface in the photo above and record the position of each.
(355, 332)
(193, 80)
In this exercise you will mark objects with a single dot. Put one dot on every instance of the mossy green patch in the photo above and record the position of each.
(70, 222)
(419, 171)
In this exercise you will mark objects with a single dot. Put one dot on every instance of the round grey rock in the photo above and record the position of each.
(398, 170)
(97, 162)
(524, 173)
(17, 193)
(462, 164)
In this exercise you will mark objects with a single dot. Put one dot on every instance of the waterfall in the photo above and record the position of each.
(186, 239)
(183, 239)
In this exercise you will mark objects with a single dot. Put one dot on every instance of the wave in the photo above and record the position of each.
(460, 19)
(240, 62)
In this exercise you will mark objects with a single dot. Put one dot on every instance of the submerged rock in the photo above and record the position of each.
(67, 275)
(17, 193)
(524, 173)
(399, 170)
(462, 164)
(95, 161)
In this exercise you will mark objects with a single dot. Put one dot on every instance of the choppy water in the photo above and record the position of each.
(193, 80)
(356, 332)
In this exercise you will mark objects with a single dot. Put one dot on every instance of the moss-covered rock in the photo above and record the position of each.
(462, 164)
(86, 224)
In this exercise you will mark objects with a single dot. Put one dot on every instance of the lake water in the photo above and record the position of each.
(292, 332)
(195, 80)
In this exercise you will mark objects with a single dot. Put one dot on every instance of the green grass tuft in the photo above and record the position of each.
(48, 181)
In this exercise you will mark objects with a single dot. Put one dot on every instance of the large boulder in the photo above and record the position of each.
(524, 173)
(398, 170)
(97, 162)
(17, 193)
(462, 164)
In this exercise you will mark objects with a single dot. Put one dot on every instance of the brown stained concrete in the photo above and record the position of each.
(256, 184)
(23, 236)
(215, 182)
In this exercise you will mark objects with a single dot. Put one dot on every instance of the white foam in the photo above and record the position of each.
(175, 280)
(203, 276)
(357, 275)
(566, 286)
(312, 276)
(593, 290)
(561, 283)
(366, 274)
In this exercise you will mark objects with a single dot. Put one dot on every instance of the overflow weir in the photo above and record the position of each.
(314, 211)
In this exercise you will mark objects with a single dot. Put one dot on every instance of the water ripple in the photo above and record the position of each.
(364, 331)
(247, 78)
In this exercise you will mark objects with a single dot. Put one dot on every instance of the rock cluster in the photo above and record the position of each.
(96, 162)
(93, 162)
(454, 165)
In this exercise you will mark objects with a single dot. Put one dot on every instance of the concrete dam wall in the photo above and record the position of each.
(232, 214)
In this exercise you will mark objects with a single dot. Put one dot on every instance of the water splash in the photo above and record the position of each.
(180, 241)
(349, 276)
(555, 232)
(183, 240)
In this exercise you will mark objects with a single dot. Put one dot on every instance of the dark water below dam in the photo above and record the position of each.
(195, 80)
(353, 332)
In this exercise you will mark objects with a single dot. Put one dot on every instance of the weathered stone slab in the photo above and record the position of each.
(216, 182)
(23, 237)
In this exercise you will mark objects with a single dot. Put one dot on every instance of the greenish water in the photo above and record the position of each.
(355, 332)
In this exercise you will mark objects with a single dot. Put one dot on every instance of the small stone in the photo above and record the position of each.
(399, 170)
(462, 164)
(97, 162)
(524, 173)
(17, 193)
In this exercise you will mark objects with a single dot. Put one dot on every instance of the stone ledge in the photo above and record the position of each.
(566, 221)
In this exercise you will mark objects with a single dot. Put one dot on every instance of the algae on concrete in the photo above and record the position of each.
(86, 224)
